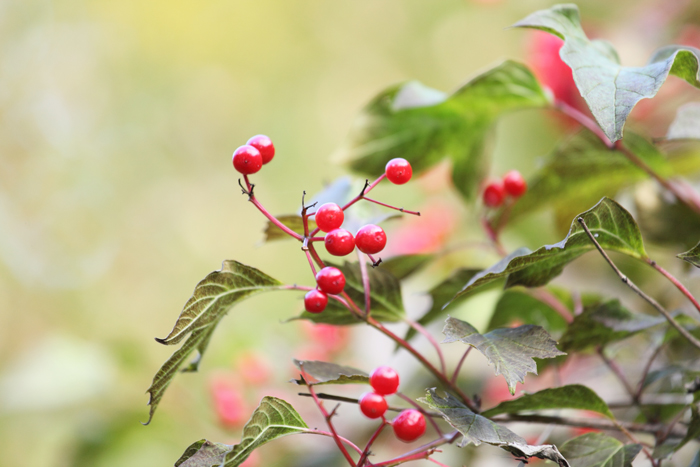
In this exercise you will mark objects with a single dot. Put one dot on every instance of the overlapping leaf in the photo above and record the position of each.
(610, 89)
(613, 226)
(331, 373)
(599, 450)
(478, 429)
(686, 125)
(509, 350)
(293, 221)
(425, 126)
(404, 265)
(516, 306)
(692, 256)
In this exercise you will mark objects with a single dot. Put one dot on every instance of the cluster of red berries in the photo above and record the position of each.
(329, 280)
(249, 158)
(409, 425)
(513, 184)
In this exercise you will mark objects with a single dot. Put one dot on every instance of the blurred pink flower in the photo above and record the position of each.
(424, 234)
(229, 404)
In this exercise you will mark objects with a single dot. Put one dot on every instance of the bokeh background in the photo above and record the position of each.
(117, 195)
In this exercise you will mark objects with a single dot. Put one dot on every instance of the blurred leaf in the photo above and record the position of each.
(574, 396)
(670, 446)
(696, 460)
(425, 126)
(613, 226)
(520, 307)
(331, 373)
(599, 450)
(203, 453)
(655, 212)
(509, 350)
(611, 90)
(293, 221)
(686, 125)
(692, 256)
(385, 295)
(404, 265)
(478, 429)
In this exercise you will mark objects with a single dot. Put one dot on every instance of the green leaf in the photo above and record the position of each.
(670, 446)
(293, 221)
(613, 226)
(574, 396)
(214, 296)
(603, 323)
(426, 126)
(331, 373)
(478, 429)
(610, 89)
(599, 450)
(404, 265)
(520, 307)
(686, 125)
(385, 295)
(692, 256)
(655, 212)
(509, 350)
(203, 453)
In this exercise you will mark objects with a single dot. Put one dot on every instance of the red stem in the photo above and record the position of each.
(548, 298)
(365, 282)
(493, 236)
(436, 462)
(675, 282)
(415, 213)
(330, 435)
(376, 434)
(431, 339)
(459, 365)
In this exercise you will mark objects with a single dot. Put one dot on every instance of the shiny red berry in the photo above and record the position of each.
(315, 301)
(409, 425)
(373, 405)
(398, 171)
(329, 217)
(339, 242)
(247, 160)
(384, 380)
(370, 239)
(494, 194)
(263, 144)
(514, 184)
(330, 280)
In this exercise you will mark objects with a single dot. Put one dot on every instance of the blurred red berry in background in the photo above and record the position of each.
(229, 403)
(253, 368)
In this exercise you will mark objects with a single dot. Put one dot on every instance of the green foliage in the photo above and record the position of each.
(599, 450)
(293, 221)
(670, 446)
(692, 256)
(610, 89)
(510, 350)
(404, 265)
(518, 306)
(330, 373)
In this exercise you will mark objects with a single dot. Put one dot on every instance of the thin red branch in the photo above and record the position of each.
(330, 435)
(548, 298)
(406, 211)
(365, 282)
(675, 282)
(371, 441)
(420, 329)
(459, 365)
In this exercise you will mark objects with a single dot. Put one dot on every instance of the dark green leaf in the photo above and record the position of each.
(385, 294)
(686, 125)
(405, 265)
(599, 450)
(613, 226)
(655, 212)
(477, 429)
(293, 221)
(516, 306)
(425, 126)
(510, 350)
(331, 373)
(692, 256)
(670, 446)
(574, 396)
(203, 453)
(610, 89)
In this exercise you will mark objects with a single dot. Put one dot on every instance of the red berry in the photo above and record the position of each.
(329, 217)
(384, 380)
(494, 194)
(409, 425)
(315, 301)
(514, 184)
(330, 280)
(247, 160)
(398, 171)
(373, 405)
(263, 144)
(370, 239)
(339, 242)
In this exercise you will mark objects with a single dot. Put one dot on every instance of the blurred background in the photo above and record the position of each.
(117, 195)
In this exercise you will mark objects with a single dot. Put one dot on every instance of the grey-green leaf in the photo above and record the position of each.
(610, 89)
(686, 125)
(404, 265)
(203, 453)
(293, 221)
(599, 450)
(509, 350)
(573, 396)
(478, 429)
(331, 373)
(692, 256)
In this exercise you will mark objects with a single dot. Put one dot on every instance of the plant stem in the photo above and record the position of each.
(493, 236)
(420, 329)
(415, 213)
(617, 371)
(634, 439)
(350, 400)
(436, 462)
(549, 299)
(459, 365)
(365, 282)
(584, 120)
(330, 435)
(423, 451)
(640, 386)
(598, 424)
(638, 291)
(675, 282)
(366, 452)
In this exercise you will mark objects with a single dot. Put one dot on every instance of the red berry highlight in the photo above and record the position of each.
(384, 380)
(330, 280)
(263, 144)
(370, 239)
(329, 217)
(373, 405)
(315, 301)
(409, 425)
(514, 184)
(398, 171)
(339, 242)
(494, 194)
(247, 160)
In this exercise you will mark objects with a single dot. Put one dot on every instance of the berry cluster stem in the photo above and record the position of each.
(675, 282)
(366, 452)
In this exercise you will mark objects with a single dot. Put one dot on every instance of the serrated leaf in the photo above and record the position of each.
(214, 296)
(574, 396)
(293, 221)
(686, 125)
(425, 126)
(692, 256)
(478, 429)
(613, 226)
(610, 89)
(509, 350)
(403, 266)
(203, 453)
(331, 373)
(599, 450)
(520, 307)
(385, 294)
